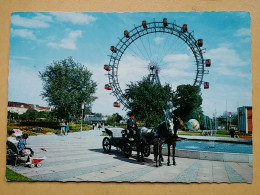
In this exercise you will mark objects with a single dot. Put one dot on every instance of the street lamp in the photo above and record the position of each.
(82, 108)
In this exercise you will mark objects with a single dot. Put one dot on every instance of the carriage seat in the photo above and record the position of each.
(114, 132)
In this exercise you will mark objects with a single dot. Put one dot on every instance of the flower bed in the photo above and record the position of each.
(44, 132)
(245, 136)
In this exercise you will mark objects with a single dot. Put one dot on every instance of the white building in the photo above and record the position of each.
(20, 108)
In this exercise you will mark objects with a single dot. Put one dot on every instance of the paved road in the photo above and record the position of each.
(81, 158)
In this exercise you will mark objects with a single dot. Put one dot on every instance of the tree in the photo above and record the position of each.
(148, 101)
(228, 118)
(44, 114)
(118, 117)
(66, 84)
(30, 114)
(12, 115)
(187, 102)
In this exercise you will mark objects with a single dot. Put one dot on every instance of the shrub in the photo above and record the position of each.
(49, 124)
(76, 127)
(29, 132)
(223, 132)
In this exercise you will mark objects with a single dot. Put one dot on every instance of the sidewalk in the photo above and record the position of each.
(81, 158)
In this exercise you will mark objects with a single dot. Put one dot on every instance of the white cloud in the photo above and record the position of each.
(243, 32)
(39, 21)
(158, 40)
(24, 33)
(69, 42)
(176, 57)
(178, 61)
(75, 18)
(234, 72)
(223, 56)
(132, 69)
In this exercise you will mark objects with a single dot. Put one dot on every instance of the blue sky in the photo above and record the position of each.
(39, 38)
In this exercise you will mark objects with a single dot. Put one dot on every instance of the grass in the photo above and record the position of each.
(197, 133)
(189, 133)
(13, 176)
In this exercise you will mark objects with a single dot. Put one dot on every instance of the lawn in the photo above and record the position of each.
(11, 175)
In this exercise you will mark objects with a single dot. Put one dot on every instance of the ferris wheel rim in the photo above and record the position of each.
(138, 32)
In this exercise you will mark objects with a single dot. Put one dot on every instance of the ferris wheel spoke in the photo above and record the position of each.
(163, 48)
(141, 52)
(145, 49)
(149, 44)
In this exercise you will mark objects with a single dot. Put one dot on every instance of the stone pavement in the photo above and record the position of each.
(80, 157)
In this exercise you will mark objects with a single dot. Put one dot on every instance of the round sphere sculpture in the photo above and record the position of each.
(193, 125)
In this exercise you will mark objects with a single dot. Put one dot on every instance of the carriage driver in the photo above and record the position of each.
(131, 125)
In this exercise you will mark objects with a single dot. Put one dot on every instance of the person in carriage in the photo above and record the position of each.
(132, 126)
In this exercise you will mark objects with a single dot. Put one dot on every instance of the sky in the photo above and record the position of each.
(39, 38)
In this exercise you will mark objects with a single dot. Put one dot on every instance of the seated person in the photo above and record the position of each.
(22, 145)
(132, 125)
(11, 137)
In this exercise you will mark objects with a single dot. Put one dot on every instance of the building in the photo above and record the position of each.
(94, 119)
(245, 123)
(20, 108)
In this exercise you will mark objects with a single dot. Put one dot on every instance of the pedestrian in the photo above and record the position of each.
(67, 128)
(63, 125)
(99, 125)
(23, 148)
(93, 125)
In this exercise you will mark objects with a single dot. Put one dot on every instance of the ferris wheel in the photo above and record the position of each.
(174, 34)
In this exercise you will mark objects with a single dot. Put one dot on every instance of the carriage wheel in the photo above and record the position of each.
(38, 165)
(147, 151)
(127, 150)
(32, 165)
(106, 145)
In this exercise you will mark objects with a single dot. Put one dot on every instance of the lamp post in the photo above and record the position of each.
(82, 108)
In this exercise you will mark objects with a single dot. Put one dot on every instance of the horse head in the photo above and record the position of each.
(169, 126)
(178, 123)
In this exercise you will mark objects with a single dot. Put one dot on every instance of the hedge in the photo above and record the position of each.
(48, 124)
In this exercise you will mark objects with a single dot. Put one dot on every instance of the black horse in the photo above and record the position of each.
(155, 137)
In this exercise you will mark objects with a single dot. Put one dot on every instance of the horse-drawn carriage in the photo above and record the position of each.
(164, 133)
(123, 141)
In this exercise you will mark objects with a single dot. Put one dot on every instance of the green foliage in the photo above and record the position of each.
(118, 117)
(66, 84)
(30, 133)
(148, 100)
(48, 124)
(223, 132)
(187, 102)
(30, 114)
(13, 115)
(10, 175)
(111, 120)
(114, 118)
